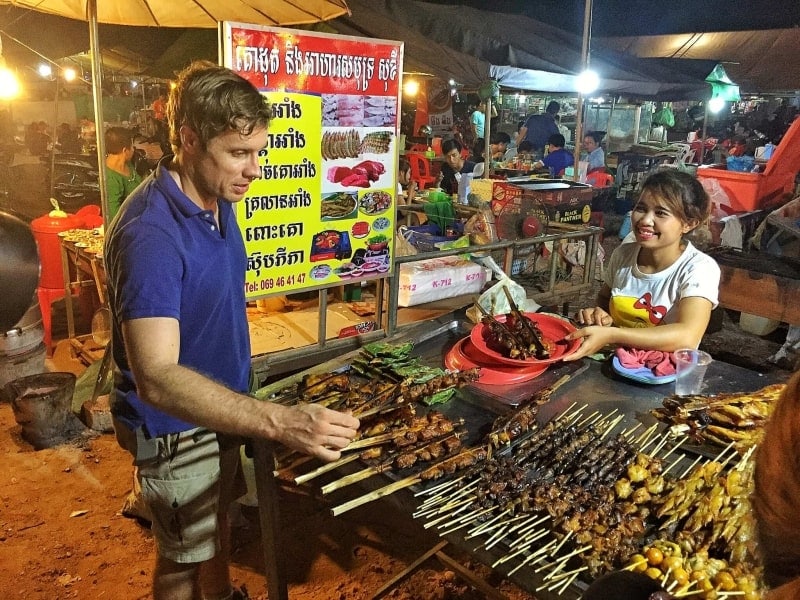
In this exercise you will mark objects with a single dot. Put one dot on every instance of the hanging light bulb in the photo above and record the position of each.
(411, 87)
(587, 81)
(716, 104)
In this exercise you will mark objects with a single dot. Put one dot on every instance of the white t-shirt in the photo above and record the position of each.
(645, 300)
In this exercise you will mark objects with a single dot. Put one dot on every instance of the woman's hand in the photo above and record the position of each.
(594, 316)
(593, 339)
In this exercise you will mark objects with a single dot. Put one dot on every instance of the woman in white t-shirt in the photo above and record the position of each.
(659, 290)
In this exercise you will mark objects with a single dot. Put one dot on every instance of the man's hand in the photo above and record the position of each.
(315, 430)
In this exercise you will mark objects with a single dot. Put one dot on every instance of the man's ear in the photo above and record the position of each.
(190, 142)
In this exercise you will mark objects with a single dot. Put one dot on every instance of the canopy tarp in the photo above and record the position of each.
(470, 45)
(765, 61)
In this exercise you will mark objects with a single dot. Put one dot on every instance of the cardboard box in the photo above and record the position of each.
(753, 191)
(557, 200)
(438, 278)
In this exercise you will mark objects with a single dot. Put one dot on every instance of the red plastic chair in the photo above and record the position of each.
(600, 179)
(418, 148)
(420, 170)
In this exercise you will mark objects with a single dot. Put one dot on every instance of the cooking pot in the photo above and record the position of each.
(25, 335)
(19, 262)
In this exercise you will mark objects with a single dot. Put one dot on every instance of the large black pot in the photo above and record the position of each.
(19, 269)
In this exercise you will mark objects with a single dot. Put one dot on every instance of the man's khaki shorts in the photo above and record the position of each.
(181, 476)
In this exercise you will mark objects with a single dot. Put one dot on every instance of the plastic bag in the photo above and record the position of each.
(719, 198)
(494, 300)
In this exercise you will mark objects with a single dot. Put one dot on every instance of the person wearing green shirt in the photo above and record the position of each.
(121, 176)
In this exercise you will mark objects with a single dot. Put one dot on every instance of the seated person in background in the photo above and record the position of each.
(121, 176)
(595, 153)
(557, 158)
(68, 140)
(477, 153)
(406, 188)
(776, 497)
(499, 142)
(525, 149)
(659, 290)
(453, 167)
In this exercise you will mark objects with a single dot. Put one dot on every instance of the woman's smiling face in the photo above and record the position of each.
(655, 224)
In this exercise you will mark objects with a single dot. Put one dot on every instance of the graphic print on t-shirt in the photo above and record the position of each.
(629, 311)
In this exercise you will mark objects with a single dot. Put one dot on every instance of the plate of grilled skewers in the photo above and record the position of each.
(464, 355)
(523, 339)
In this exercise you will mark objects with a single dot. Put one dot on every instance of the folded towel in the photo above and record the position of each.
(660, 363)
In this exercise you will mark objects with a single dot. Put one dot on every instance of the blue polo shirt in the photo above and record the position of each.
(557, 161)
(166, 257)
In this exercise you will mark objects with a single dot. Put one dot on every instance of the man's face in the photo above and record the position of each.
(589, 143)
(227, 166)
(454, 159)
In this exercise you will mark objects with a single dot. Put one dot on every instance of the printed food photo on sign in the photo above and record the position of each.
(381, 224)
(380, 111)
(344, 110)
(339, 205)
(376, 142)
(360, 229)
(361, 175)
(329, 245)
(320, 272)
(375, 203)
(376, 258)
(336, 144)
(346, 270)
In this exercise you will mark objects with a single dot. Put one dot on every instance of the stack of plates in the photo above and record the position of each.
(497, 369)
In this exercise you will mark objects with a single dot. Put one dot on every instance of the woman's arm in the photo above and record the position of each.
(693, 315)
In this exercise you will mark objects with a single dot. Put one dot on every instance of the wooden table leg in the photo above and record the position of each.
(269, 518)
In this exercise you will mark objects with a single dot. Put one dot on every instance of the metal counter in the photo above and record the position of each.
(590, 382)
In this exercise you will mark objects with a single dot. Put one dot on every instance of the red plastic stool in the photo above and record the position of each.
(46, 297)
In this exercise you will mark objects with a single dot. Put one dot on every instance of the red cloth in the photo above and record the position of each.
(660, 363)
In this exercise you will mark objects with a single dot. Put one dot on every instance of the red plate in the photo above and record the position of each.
(552, 328)
(462, 356)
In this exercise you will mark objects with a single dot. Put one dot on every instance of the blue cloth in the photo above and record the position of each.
(557, 161)
(539, 129)
(166, 257)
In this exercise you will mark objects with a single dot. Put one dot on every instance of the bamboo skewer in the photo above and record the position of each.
(300, 479)
(534, 557)
(463, 506)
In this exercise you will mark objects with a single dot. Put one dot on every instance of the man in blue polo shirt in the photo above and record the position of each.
(557, 159)
(176, 272)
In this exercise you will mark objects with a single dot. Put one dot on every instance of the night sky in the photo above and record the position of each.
(648, 17)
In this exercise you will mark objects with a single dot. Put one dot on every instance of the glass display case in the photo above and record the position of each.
(624, 124)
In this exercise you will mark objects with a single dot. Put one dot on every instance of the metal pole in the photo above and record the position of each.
(97, 92)
(587, 29)
(487, 146)
(55, 139)
(701, 159)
